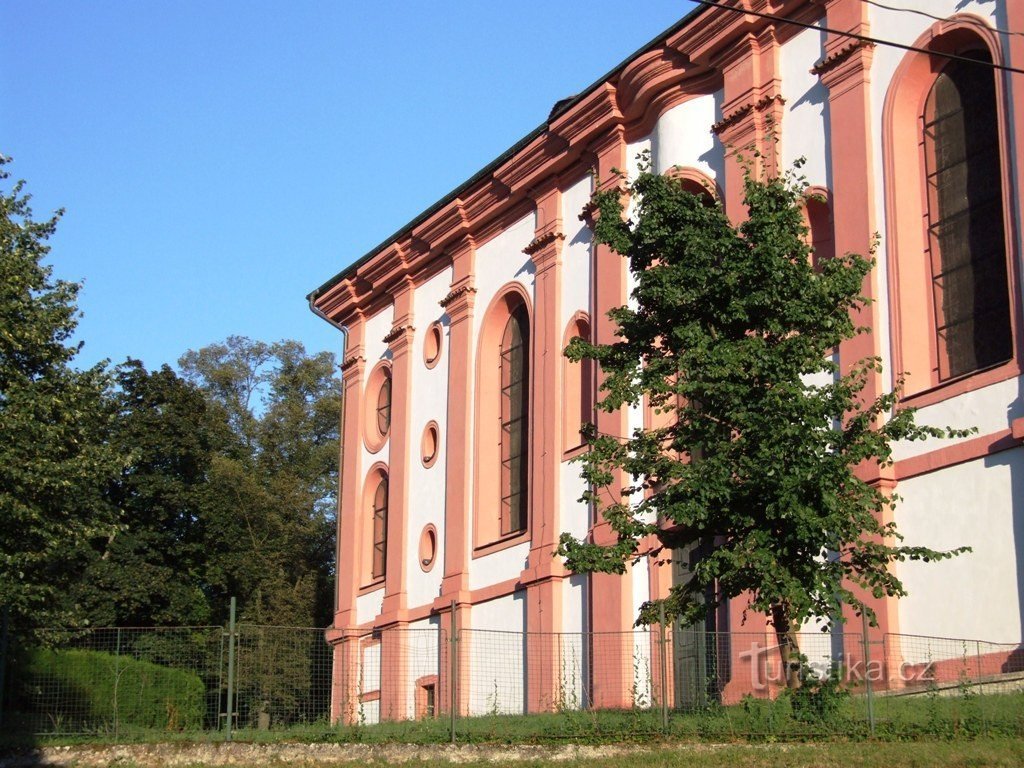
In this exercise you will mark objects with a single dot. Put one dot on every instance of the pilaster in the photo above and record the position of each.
(459, 451)
(542, 597)
(611, 595)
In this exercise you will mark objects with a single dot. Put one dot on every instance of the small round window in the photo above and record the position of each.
(432, 344)
(429, 444)
(428, 547)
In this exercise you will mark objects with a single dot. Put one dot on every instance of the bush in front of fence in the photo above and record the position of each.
(103, 691)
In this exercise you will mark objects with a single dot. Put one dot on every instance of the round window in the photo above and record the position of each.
(377, 405)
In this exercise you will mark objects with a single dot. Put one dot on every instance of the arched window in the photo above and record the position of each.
(966, 240)
(379, 557)
(514, 360)
(579, 388)
(502, 425)
(947, 191)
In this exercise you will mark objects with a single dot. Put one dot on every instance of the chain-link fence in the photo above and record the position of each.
(437, 682)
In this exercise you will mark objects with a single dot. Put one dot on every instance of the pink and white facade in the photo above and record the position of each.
(424, 519)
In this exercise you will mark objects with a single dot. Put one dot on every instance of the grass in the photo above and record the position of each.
(963, 716)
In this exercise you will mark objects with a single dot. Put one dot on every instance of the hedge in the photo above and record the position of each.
(88, 687)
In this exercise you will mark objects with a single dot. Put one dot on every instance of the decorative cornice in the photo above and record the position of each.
(732, 118)
(352, 361)
(838, 56)
(398, 332)
(541, 241)
(765, 102)
(464, 290)
(589, 117)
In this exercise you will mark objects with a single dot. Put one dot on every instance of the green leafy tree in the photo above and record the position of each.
(270, 500)
(56, 460)
(151, 570)
(730, 340)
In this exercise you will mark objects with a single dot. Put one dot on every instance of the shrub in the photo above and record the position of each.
(88, 688)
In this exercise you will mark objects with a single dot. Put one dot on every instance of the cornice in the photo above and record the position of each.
(397, 333)
(443, 227)
(734, 117)
(539, 242)
(593, 114)
(540, 158)
(352, 361)
(838, 56)
(647, 76)
(455, 295)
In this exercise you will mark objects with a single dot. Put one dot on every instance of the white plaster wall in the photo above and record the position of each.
(682, 136)
(633, 152)
(368, 606)
(990, 409)
(369, 680)
(576, 248)
(805, 120)
(420, 643)
(976, 595)
(499, 566)
(574, 515)
(377, 327)
(639, 576)
(575, 648)
(369, 712)
(500, 261)
(429, 402)
(497, 656)
(900, 27)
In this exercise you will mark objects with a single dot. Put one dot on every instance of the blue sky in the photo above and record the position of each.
(219, 160)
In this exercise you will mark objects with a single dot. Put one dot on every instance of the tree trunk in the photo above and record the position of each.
(789, 645)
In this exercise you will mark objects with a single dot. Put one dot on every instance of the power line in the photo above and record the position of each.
(972, 22)
(862, 38)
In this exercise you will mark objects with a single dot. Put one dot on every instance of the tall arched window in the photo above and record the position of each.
(966, 240)
(380, 530)
(515, 394)
(578, 401)
(948, 190)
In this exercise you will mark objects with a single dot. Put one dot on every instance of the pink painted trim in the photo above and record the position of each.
(504, 543)
(960, 453)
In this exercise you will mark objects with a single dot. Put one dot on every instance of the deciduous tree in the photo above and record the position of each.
(730, 341)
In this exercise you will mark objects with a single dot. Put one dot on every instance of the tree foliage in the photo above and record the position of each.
(730, 341)
(56, 461)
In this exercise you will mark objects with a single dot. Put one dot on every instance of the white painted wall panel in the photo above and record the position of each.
(497, 653)
(805, 119)
(429, 403)
(574, 515)
(368, 606)
(499, 566)
(576, 252)
(990, 409)
(682, 136)
(422, 651)
(976, 595)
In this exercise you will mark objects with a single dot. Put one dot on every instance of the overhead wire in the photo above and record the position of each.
(862, 38)
(918, 12)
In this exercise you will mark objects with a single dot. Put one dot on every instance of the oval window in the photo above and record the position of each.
(429, 444)
(428, 547)
(384, 406)
(432, 345)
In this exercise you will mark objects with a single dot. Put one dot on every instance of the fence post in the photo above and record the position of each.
(453, 672)
(663, 654)
(4, 638)
(865, 625)
(231, 668)
(117, 682)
